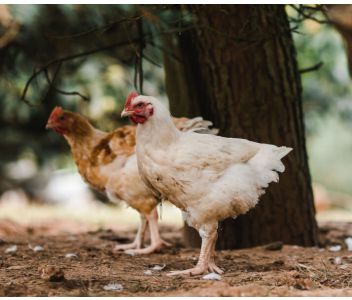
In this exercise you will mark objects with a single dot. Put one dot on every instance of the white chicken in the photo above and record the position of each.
(208, 177)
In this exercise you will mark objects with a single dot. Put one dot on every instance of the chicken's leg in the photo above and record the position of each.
(212, 266)
(156, 241)
(138, 240)
(206, 256)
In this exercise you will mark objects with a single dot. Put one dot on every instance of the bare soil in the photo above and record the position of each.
(261, 271)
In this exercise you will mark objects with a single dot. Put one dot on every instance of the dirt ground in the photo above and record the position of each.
(82, 264)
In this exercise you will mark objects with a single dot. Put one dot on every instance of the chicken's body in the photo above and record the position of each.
(107, 162)
(209, 178)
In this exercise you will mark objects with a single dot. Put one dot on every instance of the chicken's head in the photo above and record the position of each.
(60, 121)
(137, 108)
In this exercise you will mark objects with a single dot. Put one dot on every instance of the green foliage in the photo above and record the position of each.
(330, 153)
(327, 103)
(328, 89)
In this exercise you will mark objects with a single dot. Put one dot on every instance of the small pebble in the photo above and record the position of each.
(52, 273)
(159, 268)
(130, 253)
(36, 248)
(335, 248)
(337, 260)
(303, 284)
(148, 272)
(11, 249)
(212, 276)
(275, 246)
(71, 255)
(192, 258)
(113, 287)
(348, 242)
(16, 267)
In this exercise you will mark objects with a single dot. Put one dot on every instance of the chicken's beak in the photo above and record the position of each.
(126, 113)
(49, 125)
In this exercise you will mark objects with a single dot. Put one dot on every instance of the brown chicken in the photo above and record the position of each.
(107, 162)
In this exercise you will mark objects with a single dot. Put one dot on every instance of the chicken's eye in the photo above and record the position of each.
(62, 118)
(139, 105)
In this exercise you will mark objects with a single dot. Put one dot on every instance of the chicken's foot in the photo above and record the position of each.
(206, 260)
(156, 241)
(138, 240)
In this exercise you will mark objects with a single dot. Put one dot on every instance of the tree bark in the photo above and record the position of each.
(240, 71)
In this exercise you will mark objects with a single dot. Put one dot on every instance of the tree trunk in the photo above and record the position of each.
(239, 70)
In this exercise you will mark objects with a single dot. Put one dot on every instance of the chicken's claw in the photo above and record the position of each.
(214, 268)
(198, 270)
(125, 247)
(150, 249)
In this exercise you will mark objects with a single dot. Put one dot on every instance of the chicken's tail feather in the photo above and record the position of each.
(267, 163)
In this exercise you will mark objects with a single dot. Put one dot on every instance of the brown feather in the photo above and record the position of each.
(91, 149)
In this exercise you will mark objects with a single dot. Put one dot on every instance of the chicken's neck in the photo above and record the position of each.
(83, 139)
(159, 130)
(82, 149)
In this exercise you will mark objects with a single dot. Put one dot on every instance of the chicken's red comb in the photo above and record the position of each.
(56, 111)
(130, 97)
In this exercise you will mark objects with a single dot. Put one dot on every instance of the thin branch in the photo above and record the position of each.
(316, 20)
(295, 30)
(71, 57)
(92, 30)
(48, 90)
(318, 7)
(161, 48)
(312, 68)
(135, 72)
(74, 93)
(147, 58)
(56, 73)
(301, 12)
(140, 53)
